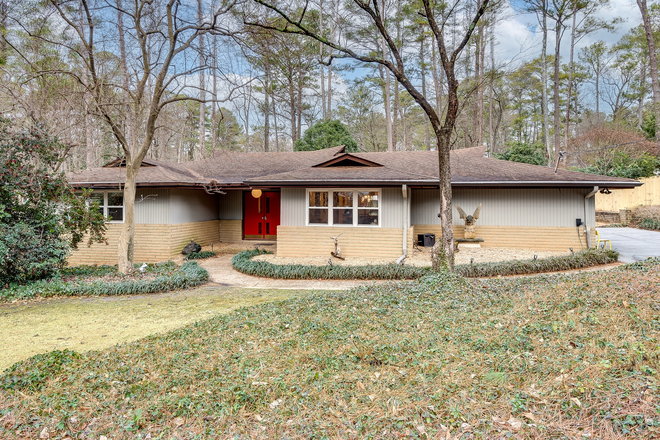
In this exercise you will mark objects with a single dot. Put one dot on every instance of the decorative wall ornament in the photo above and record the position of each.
(470, 221)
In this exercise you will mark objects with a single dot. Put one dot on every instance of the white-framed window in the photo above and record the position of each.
(111, 204)
(343, 207)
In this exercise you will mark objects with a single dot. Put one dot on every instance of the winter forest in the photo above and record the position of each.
(177, 80)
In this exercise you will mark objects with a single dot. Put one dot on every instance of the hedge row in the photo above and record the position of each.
(579, 260)
(169, 277)
(244, 263)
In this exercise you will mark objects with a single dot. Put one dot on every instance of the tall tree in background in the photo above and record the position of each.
(160, 41)
(584, 23)
(298, 22)
(653, 62)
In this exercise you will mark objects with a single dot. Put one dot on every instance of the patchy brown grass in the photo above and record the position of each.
(562, 356)
(32, 327)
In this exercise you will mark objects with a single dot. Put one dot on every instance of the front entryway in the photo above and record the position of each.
(261, 215)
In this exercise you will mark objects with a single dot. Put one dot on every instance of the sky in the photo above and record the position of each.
(519, 38)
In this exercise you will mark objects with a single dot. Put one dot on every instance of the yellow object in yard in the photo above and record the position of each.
(605, 242)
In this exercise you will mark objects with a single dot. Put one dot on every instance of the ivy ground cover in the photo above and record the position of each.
(560, 356)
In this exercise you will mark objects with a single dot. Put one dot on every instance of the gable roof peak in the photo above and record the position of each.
(347, 160)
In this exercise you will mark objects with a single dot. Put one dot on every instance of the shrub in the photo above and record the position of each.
(41, 217)
(169, 277)
(649, 223)
(622, 164)
(243, 262)
(200, 255)
(579, 260)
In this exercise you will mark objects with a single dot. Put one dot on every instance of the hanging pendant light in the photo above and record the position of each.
(256, 193)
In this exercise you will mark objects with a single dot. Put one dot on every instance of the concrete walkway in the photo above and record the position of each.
(632, 244)
(221, 272)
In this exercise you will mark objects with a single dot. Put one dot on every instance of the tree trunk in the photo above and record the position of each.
(214, 106)
(653, 63)
(126, 238)
(556, 111)
(544, 81)
(642, 93)
(475, 94)
(491, 133)
(328, 111)
(422, 65)
(388, 116)
(129, 117)
(482, 66)
(202, 87)
(570, 83)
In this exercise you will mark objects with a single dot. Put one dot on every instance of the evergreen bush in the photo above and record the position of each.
(244, 263)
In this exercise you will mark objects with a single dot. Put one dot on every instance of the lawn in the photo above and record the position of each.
(559, 356)
(100, 322)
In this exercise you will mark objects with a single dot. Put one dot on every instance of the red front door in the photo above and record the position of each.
(262, 215)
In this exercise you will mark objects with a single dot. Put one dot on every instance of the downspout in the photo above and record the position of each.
(586, 223)
(406, 205)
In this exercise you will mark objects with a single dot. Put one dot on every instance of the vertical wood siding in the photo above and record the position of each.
(647, 194)
(231, 205)
(393, 207)
(192, 205)
(508, 207)
(293, 207)
(152, 206)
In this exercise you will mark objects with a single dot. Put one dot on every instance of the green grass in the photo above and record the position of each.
(244, 262)
(560, 356)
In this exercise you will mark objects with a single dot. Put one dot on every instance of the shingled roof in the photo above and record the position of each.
(335, 167)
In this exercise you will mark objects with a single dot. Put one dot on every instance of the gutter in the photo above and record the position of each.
(492, 183)
(586, 223)
(406, 200)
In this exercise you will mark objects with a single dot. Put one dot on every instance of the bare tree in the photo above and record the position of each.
(160, 51)
(297, 22)
(653, 62)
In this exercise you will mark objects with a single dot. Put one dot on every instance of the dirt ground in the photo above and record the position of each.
(91, 323)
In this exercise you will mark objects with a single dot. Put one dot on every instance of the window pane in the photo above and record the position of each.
(368, 199)
(367, 217)
(96, 198)
(115, 199)
(342, 216)
(116, 214)
(318, 199)
(318, 216)
(342, 198)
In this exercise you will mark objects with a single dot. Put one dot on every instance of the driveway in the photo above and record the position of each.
(632, 244)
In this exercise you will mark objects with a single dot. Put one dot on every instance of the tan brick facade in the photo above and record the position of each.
(231, 231)
(153, 243)
(312, 241)
(518, 237)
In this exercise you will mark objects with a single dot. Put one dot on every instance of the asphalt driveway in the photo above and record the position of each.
(632, 244)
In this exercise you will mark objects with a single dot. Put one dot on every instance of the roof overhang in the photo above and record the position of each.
(434, 182)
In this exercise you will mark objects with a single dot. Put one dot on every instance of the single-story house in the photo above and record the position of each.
(378, 202)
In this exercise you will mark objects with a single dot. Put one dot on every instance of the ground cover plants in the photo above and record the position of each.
(646, 217)
(200, 255)
(558, 356)
(107, 280)
(243, 262)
